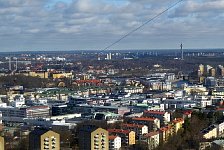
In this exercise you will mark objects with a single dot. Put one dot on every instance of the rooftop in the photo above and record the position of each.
(166, 128)
(112, 137)
(132, 125)
(144, 119)
(155, 112)
(118, 131)
(150, 134)
(178, 120)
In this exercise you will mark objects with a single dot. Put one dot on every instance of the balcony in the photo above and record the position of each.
(46, 143)
(46, 147)
(96, 147)
(96, 143)
(46, 140)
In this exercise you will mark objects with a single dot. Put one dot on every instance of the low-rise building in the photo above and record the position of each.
(220, 128)
(163, 116)
(165, 133)
(152, 139)
(152, 123)
(139, 130)
(203, 101)
(210, 132)
(13, 114)
(114, 142)
(177, 124)
(127, 136)
(107, 116)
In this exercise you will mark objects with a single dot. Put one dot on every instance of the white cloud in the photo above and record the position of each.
(100, 22)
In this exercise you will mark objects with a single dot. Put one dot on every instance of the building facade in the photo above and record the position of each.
(41, 139)
(93, 138)
(114, 142)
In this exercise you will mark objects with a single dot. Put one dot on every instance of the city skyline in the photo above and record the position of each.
(95, 24)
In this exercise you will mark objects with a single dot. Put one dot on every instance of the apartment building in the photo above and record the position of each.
(127, 136)
(93, 138)
(177, 124)
(220, 127)
(163, 116)
(114, 142)
(2, 143)
(152, 139)
(41, 139)
(139, 130)
(152, 123)
(210, 132)
(165, 133)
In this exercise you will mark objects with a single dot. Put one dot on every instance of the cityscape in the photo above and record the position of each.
(111, 75)
(137, 99)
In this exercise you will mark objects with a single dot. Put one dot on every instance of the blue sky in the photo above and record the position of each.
(94, 24)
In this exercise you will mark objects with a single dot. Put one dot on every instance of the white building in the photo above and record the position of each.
(19, 101)
(114, 142)
(152, 140)
(163, 116)
(203, 101)
(210, 132)
(220, 128)
(14, 114)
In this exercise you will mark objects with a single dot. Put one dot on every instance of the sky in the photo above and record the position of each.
(41, 25)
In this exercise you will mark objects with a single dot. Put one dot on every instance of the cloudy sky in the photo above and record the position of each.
(95, 24)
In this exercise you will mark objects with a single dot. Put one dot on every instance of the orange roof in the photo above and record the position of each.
(166, 128)
(144, 119)
(155, 112)
(118, 131)
(177, 120)
(151, 134)
(132, 125)
(112, 137)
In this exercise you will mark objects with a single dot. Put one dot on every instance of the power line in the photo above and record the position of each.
(142, 25)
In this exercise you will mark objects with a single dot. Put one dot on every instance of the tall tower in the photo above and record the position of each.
(10, 64)
(16, 63)
(182, 51)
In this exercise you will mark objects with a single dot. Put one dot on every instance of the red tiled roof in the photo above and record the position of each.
(166, 128)
(132, 125)
(177, 120)
(154, 112)
(151, 134)
(144, 119)
(112, 137)
(118, 131)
